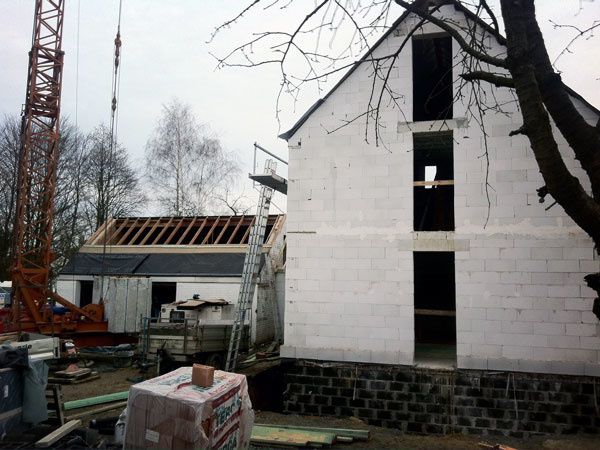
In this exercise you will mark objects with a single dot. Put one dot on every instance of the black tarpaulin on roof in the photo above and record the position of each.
(110, 264)
(158, 264)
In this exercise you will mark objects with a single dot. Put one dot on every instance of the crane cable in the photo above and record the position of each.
(114, 120)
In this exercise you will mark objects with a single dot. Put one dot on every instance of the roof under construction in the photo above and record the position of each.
(219, 231)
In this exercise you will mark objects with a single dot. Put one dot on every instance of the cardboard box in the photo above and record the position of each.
(203, 376)
(171, 412)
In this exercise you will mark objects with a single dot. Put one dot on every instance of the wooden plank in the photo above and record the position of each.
(100, 231)
(98, 410)
(91, 401)
(197, 233)
(187, 230)
(434, 183)
(290, 436)
(362, 435)
(434, 312)
(150, 232)
(57, 434)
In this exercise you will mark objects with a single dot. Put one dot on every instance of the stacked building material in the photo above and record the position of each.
(171, 412)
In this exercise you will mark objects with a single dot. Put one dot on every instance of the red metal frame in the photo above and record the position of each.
(37, 183)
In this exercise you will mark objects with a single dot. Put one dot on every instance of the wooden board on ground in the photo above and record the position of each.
(271, 435)
(57, 434)
(356, 434)
(90, 377)
(73, 373)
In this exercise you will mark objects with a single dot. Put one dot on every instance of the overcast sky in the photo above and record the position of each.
(165, 55)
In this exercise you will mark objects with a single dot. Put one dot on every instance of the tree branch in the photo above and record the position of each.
(484, 57)
(496, 80)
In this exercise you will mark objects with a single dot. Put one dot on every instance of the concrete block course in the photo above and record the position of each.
(430, 401)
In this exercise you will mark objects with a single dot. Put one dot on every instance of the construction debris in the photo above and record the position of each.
(293, 436)
(74, 376)
(57, 434)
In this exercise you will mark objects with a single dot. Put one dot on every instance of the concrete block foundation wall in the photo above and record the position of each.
(442, 402)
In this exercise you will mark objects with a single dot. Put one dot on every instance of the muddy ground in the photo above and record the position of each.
(382, 438)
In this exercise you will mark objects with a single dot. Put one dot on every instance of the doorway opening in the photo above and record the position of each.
(162, 292)
(86, 291)
(435, 308)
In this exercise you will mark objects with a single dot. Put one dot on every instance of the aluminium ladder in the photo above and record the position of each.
(250, 269)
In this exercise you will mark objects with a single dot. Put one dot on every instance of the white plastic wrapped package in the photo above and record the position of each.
(170, 412)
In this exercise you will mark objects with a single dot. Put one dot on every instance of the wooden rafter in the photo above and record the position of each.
(168, 240)
(167, 225)
(218, 239)
(187, 230)
(138, 234)
(177, 231)
(212, 229)
(197, 233)
(235, 230)
(128, 232)
(151, 231)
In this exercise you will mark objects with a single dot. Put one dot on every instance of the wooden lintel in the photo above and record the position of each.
(434, 183)
(434, 312)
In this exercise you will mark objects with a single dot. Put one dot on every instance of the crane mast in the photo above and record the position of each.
(32, 248)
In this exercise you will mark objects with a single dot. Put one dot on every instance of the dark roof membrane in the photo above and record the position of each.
(157, 264)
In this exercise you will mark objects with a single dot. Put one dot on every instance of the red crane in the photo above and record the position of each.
(32, 252)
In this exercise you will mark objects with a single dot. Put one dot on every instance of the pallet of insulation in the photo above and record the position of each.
(170, 412)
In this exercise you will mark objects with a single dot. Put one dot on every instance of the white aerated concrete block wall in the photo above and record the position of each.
(521, 300)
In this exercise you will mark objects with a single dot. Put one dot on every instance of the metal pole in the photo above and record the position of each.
(269, 153)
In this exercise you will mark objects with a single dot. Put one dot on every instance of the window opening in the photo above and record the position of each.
(432, 78)
(433, 186)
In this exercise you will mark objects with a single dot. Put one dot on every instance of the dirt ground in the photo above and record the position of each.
(381, 438)
(385, 438)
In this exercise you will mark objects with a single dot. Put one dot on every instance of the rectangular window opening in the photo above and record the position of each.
(432, 78)
(433, 182)
(435, 308)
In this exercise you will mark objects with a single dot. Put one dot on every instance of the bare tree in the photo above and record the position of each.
(186, 166)
(304, 55)
(111, 186)
(10, 143)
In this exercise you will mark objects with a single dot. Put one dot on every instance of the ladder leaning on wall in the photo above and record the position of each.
(250, 269)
